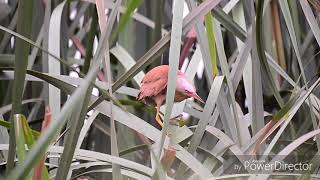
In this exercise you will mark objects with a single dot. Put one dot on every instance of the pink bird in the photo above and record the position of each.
(153, 89)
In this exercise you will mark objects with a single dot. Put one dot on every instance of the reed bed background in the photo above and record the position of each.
(71, 71)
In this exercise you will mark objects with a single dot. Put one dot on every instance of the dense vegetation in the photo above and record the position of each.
(71, 71)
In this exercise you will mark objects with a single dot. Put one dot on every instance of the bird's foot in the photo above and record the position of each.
(159, 120)
(176, 121)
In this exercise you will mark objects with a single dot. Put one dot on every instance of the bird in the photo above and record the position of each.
(153, 89)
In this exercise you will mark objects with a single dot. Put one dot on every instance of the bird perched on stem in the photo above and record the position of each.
(153, 89)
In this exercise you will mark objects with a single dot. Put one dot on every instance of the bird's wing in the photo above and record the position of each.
(156, 73)
(152, 88)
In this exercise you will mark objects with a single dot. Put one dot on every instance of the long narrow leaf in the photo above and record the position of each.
(212, 44)
(21, 62)
(44, 141)
(205, 116)
(20, 138)
(163, 43)
(262, 57)
(173, 67)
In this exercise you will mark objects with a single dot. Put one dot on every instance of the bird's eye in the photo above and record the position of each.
(186, 91)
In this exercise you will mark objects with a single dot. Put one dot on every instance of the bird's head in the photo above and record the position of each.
(185, 87)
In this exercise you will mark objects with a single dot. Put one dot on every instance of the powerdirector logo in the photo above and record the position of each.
(267, 165)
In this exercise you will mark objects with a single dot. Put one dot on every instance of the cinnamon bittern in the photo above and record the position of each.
(153, 89)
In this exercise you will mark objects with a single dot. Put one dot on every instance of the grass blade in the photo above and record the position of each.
(20, 139)
(7, 125)
(311, 19)
(126, 61)
(287, 16)
(92, 32)
(212, 43)
(75, 124)
(204, 44)
(124, 19)
(163, 43)
(262, 57)
(289, 148)
(153, 134)
(230, 25)
(205, 117)
(21, 62)
(289, 111)
(54, 47)
(173, 67)
(225, 70)
(44, 141)
(78, 116)
(105, 94)
(6, 37)
(116, 173)
(85, 128)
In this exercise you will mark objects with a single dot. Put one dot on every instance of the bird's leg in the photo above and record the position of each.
(176, 117)
(174, 120)
(158, 118)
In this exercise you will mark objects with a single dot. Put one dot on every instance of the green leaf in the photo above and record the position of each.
(205, 117)
(175, 45)
(126, 61)
(315, 165)
(126, 173)
(288, 149)
(290, 112)
(159, 173)
(29, 41)
(311, 19)
(54, 47)
(75, 124)
(40, 147)
(76, 121)
(20, 138)
(30, 140)
(231, 90)
(90, 36)
(8, 108)
(116, 171)
(284, 110)
(105, 94)
(7, 125)
(288, 20)
(133, 149)
(163, 43)
(139, 125)
(134, 4)
(21, 62)
(261, 52)
(6, 37)
(100, 157)
(66, 87)
(85, 128)
(27, 132)
(212, 44)
(229, 24)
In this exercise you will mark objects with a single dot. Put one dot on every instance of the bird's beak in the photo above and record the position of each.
(195, 95)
